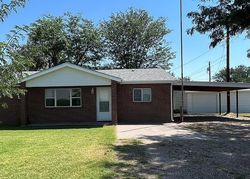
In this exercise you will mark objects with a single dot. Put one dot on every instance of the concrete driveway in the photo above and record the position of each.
(156, 133)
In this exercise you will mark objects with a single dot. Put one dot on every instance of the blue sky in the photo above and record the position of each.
(196, 47)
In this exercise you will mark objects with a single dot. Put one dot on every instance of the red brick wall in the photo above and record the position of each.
(10, 115)
(156, 111)
(37, 113)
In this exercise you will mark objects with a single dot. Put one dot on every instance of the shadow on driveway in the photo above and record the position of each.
(223, 153)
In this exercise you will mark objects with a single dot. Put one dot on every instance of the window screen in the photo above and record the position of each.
(142, 95)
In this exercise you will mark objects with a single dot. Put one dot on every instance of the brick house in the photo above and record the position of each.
(71, 94)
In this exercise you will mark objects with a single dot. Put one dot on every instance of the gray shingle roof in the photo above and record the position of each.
(133, 75)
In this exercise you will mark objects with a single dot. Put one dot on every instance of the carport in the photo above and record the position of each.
(213, 87)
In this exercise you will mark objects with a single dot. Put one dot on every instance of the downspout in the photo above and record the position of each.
(172, 101)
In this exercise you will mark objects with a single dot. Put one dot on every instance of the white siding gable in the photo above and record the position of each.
(68, 76)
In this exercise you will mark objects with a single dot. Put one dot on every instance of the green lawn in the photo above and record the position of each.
(57, 153)
(244, 115)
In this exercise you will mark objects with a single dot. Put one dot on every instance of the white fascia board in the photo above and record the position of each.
(44, 72)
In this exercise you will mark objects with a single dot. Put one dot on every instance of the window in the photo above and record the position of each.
(62, 97)
(50, 97)
(142, 94)
(104, 106)
(76, 97)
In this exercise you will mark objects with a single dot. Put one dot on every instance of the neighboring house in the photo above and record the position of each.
(71, 94)
(68, 93)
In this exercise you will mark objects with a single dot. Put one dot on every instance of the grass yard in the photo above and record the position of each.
(244, 115)
(57, 153)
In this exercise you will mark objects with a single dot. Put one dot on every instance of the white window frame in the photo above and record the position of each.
(142, 92)
(55, 99)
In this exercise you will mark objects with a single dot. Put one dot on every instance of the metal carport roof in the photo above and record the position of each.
(210, 86)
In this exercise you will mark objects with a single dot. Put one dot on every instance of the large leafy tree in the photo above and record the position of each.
(134, 39)
(6, 7)
(217, 18)
(46, 42)
(11, 62)
(69, 38)
(84, 42)
(240, 73)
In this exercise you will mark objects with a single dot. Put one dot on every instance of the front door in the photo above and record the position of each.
(103, 103)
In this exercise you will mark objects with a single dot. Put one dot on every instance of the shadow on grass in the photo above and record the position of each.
(225, 154)
(132, 160)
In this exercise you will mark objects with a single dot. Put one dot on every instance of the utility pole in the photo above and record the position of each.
(182, 83)
(228, 69)
(209, 71)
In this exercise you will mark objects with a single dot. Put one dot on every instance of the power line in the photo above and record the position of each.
(204, 67)
(196, 58)
(223, 52)
(204, 53)
(198, 73)
(190, 61)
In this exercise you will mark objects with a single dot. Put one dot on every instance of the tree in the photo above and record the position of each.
(240, 73)
(224, 19)
(185, 78)
(46, 42)
(11, 63)
(134, 39)
(7, 8)
(69, 38)
(85, 46)
(216, 19)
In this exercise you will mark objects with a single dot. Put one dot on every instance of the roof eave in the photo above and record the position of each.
(44, 72)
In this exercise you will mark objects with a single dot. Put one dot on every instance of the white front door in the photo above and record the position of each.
(103, 103)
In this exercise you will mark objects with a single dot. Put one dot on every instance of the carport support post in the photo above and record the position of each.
(220, 103)
(228, 102)
(237, 103)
